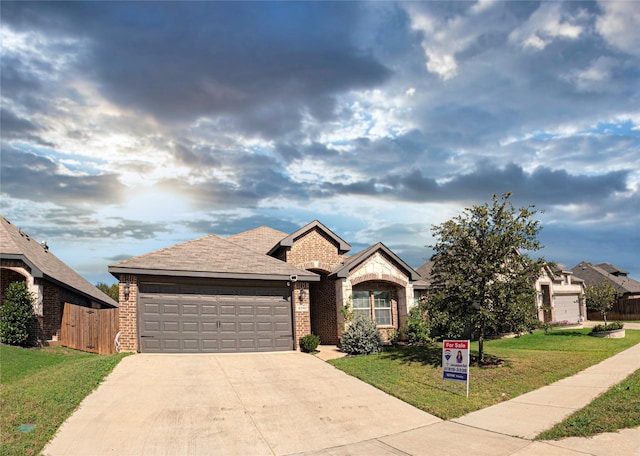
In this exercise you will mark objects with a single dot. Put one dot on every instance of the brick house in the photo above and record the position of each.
(50, 281)
(260, 290)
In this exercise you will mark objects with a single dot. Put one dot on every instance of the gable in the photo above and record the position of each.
(376, 260)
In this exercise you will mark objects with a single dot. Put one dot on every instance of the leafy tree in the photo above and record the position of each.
(480, 278)
(600, 297)
(16, 314)
(113, 291)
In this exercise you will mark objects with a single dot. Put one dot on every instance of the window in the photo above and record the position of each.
(361, 303)
(373, 304)
(382, 307)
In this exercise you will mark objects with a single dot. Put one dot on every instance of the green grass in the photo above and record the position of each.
(42, 388)
(618, 408)
(414, 374)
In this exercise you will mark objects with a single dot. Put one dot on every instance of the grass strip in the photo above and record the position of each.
(618, 408)
(414, 374)
(42, 388)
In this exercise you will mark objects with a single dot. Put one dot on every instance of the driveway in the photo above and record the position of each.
(246, 404)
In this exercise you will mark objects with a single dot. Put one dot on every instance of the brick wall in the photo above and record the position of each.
(53, 301)
(302, 314)
(314, 246)
(128, 316)
(324, 319)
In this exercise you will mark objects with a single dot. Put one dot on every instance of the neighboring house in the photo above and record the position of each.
(595, 273)
(560, 296)
(51, 282)
(628, 304)
(260, 290)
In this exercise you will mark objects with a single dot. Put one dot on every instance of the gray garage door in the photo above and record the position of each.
(188, 319)
(567, 308)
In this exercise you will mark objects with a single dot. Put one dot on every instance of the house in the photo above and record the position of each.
(595, 273)
(560, 296)
(260, 290)
(628, 304)
(51, 282)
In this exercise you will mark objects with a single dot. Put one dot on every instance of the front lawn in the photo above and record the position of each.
(414, 374)
(618, 408)
(39, 389)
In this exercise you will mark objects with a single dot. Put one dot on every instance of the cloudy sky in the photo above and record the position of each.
(127, 127)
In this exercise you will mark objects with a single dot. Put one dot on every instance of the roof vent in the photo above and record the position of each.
(44, 246)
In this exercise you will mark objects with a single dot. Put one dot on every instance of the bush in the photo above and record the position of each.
(418, 324)
(16, 314)
(309, 343)
(608, 327)
(362, 337)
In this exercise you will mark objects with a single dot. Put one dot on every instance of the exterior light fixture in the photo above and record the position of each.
(127, 289)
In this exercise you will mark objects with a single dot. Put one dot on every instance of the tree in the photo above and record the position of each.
(16, 314)
(113, 291)
(481, 280)
(600, 297)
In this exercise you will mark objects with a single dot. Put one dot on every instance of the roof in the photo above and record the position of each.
(345, 268)
(212, 257)
(611, 269)
(15, 244)
(261, 239)
(288, 241)
(425, 274)
(592, 274)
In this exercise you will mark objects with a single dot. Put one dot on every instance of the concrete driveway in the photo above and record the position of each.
(247, 404)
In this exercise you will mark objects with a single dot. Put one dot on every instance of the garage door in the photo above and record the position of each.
(188, 319)
(567, 308)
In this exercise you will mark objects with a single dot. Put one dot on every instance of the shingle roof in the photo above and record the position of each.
(592, 274)
(16, 244)
(260, 240)
(210, 256)
(343, 269)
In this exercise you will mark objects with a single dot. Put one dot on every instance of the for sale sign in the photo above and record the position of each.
(455, 361)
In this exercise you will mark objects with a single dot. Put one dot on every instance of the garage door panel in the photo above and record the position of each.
(190, 309)
(170, 326)
(222, 320)
(169, 309)
(209, 309)
(190, 327)
(244, 310)
(567, 308)
(209, 326)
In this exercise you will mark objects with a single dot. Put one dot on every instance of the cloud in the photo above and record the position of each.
(619, 25)
(233, 60)
(549, 22)
(25, 175)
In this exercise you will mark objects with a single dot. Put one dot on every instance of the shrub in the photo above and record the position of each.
(362, 337)
(16, 314)
(418, 324)
(608, 327)
(309, 343)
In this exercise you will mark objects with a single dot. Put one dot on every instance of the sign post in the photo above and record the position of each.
(455, 362)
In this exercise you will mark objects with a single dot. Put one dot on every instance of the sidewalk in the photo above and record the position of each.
(511, 425)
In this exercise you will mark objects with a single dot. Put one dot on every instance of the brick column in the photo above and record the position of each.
(128, 314)
(302, 311)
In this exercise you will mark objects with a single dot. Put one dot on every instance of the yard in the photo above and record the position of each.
(414, 374)
(39, 389)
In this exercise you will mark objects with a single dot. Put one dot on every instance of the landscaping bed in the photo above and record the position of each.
(40, 388)
(414, 373)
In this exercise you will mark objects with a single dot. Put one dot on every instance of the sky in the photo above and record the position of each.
(131, 126)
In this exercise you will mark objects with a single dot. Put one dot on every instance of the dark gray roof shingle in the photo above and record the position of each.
(15, 244)
(261, 239)
(592, 274)
(210, 256)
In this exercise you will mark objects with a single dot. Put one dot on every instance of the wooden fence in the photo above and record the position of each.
(623, 309)
(90, 330)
